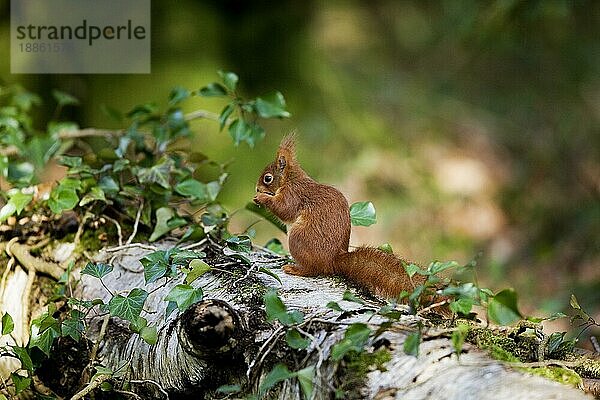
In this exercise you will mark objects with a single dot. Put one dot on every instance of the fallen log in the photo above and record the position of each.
(225, 343)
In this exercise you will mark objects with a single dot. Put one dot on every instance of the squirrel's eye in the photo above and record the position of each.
(267, 179)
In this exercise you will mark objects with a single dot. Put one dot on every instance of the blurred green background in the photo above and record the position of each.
(473, 126)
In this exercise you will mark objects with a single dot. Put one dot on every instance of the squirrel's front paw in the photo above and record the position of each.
(261, 198)
(292, 269)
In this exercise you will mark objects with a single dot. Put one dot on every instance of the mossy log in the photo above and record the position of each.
(225, 339)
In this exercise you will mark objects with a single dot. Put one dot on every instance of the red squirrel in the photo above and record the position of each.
(318, 217)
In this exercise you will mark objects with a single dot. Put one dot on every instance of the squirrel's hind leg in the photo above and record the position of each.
(297, 269)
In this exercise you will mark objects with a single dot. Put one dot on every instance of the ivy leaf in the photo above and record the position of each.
(142, 110)
(411, 344)
(158, 173)
(355, 338)
(386, 248)
(458, 338)
(95, 194)
(171, 306)
(255, 134)
(130, 307)
(64, 99)
(20, 172)
(213, 188)
(8, 324)
(23, 355)
(224, 116)
(149, 334)
(363, 214)
(177, 95)
(502, 308)
(270, 273)
(436, 267)
(182, 257)
(97, 270)
(239, 243)
(69, 161)
(184, 296)
(276, 246)
(198, 268)
(349, 296)
(7, 210)
(20, 200)
(62, 198)
(229, 389)
(276, 310)
(73, 326)
(295, 340)
(271, 106)
(278, 374)
(213, 90)
(108, 185)
(137, 325)
(21, 382)
(163, 215)
(155, 265)
(239, 131)
(411, 269)
(334, 306)
(463, 306)
(230, 79)
(44, 330)
(305, 377)
(192, 188)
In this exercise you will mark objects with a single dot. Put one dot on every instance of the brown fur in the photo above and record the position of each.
(319, 234)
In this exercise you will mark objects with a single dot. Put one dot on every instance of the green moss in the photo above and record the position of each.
(90, 239)
(523, 347)
(355, 367)
(518, 345)
(499, 353)
(558, 374)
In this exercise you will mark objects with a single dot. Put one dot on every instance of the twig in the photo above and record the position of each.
(9, 265)
(95, 383)
(201, 114)
(319, 350)
(39, 244)
(261, 354)
(160, 388)
(21, 253)
(128, 246)
(432, 306)
(248, 272)
(128, 393)
(101, 335)
(87, 132)
(136, 223)
(118, 226)
(194, 245)
(80, 228)
(26, 301)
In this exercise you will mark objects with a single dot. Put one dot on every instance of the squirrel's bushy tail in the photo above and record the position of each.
(380, 272)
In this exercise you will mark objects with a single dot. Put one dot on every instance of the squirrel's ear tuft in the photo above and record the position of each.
(286, 154)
